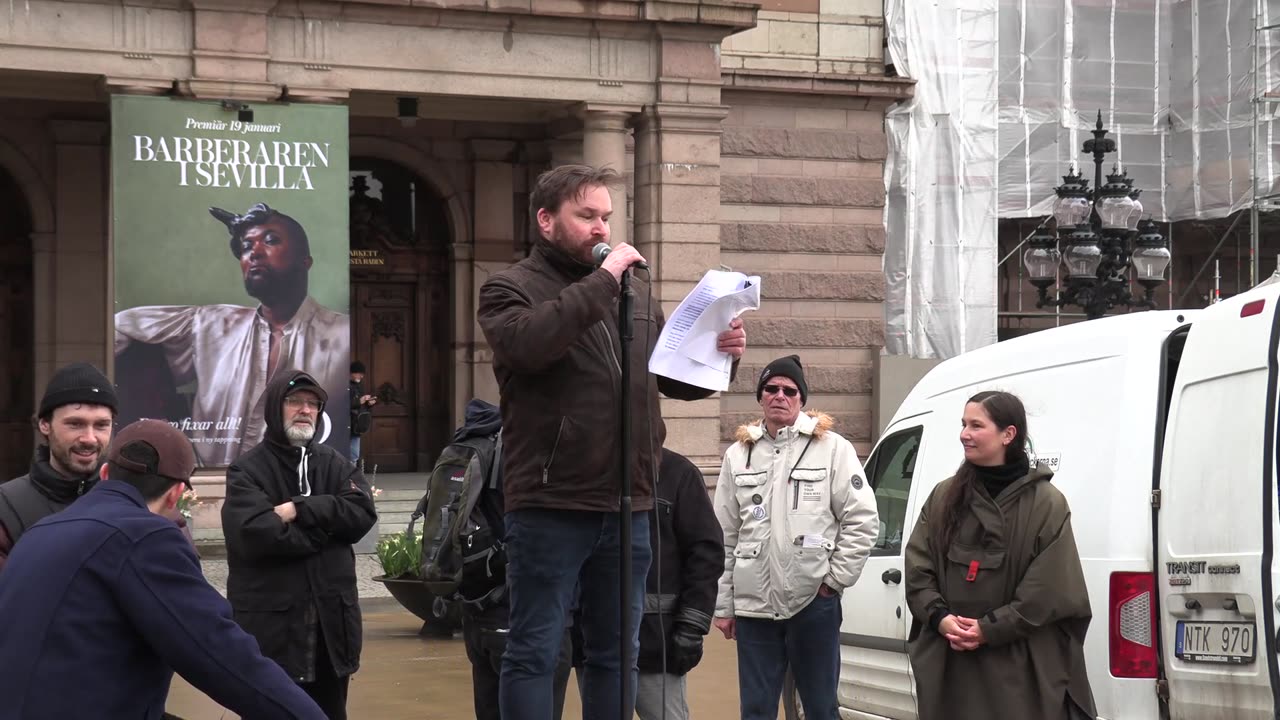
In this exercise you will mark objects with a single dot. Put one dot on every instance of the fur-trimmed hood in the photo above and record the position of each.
(810, 422)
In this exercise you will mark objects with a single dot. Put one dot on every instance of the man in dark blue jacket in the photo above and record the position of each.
(104, 600)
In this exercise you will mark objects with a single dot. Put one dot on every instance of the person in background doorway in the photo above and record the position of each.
(294, 508)
(993, 579)
(361, 408)
(799, 520)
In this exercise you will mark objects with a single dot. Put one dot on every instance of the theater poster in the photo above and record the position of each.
(230, 255)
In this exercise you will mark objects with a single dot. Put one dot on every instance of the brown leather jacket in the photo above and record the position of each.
(552, 323)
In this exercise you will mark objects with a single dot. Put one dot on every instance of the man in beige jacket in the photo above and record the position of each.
(799, 519)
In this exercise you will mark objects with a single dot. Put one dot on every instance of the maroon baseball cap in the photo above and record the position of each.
(177, 457)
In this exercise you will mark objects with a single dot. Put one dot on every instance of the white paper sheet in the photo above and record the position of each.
(686, 349)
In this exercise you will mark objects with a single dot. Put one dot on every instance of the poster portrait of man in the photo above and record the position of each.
(231, 352)
(198, 334)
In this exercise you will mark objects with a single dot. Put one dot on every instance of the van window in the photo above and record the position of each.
(891, 467)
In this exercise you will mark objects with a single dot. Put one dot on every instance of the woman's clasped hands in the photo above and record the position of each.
(962, 633)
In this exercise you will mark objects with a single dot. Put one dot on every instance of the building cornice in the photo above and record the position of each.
(777, 81)
(720, 18)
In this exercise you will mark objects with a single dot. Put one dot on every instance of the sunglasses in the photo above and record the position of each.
(788, 391)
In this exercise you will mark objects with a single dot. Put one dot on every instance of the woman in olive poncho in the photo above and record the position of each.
(994, 583)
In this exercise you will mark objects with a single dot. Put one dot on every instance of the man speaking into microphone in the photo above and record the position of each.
(552, 323)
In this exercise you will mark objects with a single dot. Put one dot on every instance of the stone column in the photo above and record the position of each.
(462, 379)
(494, 229)
(604, 143)
(43, 269)
(565, 150)
(677, 228)
(82, 259)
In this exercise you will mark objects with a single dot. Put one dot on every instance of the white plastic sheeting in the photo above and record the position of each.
(940, 215)
(1174, 80)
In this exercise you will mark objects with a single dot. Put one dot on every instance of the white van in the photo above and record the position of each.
(1161, 429)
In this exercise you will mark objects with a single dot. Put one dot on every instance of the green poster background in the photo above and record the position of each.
(171, 161)
(170, 251)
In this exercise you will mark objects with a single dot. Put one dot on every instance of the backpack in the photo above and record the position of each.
(361, 416)
(361, 421)
(463, 555)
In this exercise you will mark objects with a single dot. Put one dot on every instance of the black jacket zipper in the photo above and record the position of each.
(608, 344)
(546, 467)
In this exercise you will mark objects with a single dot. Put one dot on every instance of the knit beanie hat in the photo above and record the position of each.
(77, 383)
(788, 367)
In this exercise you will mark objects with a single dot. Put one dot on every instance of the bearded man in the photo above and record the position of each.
(75, 420)
(293, 510)
(231, 352)
(552, 323)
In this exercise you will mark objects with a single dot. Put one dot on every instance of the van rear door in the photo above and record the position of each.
(1216, 576)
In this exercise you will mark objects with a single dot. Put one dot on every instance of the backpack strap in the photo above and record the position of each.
(418, 512)
(21, 506)
(495, 467)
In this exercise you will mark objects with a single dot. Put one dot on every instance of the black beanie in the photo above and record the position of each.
(788, 367)
(357, 367)
(77, 383)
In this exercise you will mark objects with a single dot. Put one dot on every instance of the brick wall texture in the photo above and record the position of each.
(802, 198)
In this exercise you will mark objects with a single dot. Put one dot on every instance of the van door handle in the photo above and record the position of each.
(892, 576)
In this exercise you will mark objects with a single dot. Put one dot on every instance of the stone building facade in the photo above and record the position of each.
(752, 136)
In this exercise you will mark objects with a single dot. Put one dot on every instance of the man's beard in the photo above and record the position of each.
(73, 463)
(270, 287)
(300, 434)
(560, 239)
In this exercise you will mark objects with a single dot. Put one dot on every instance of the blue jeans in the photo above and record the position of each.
(550, 554)
(809, 642)
(355, 448)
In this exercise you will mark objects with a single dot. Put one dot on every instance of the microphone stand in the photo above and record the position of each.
(625, 332)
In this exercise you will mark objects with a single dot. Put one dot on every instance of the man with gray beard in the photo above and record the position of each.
(294, 508)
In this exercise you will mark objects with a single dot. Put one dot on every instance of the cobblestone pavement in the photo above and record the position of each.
(404, 675)
(367, 567)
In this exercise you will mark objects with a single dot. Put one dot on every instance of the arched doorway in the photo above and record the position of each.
(17, 346)
(400, 238)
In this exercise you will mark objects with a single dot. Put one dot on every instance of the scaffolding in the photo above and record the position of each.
(1264, 100)
(1184, 86)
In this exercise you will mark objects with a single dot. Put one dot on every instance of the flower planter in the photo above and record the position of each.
(417, 599)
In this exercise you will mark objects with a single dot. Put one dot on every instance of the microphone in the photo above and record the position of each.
(602, 250)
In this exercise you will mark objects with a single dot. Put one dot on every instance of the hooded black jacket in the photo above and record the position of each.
(688, 552)
(42, 492)
(288, 579)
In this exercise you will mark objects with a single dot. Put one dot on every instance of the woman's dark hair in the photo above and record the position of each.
(1005, 410)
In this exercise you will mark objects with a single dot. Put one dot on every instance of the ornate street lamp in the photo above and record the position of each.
(1096, 228)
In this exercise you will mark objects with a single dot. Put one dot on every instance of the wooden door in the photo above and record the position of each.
(400, 317)
(17, 359)
(383, 338)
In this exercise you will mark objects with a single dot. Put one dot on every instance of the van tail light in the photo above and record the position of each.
(1131, 625)
(1252, 308)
